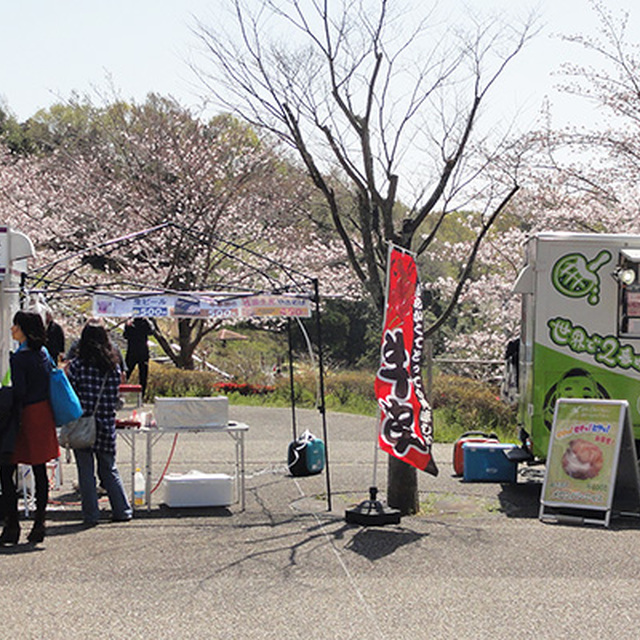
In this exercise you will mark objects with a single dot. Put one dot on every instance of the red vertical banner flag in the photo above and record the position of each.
(406, 420)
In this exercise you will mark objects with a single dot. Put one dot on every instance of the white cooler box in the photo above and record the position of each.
(191, 413)
(197, 489)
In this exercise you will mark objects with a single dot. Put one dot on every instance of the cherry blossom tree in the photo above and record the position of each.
(137, 167)
(582, 179)
(347, 93)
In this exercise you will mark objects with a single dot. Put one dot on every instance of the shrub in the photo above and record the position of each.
(168, 381)
(344, 386)
(460, 404)
(471, 405)
(348, 391)
(305, 388)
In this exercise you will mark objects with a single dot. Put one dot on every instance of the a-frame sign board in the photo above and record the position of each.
(592, 467)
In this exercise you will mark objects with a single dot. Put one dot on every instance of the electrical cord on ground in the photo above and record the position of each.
(166, 466)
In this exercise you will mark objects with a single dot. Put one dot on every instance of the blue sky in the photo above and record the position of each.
(50, 48)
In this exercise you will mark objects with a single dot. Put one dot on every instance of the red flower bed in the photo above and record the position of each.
(243, 388)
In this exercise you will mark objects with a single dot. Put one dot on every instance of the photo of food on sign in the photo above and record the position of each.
(582, 459)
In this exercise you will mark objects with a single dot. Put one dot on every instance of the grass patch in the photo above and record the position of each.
(455, 505)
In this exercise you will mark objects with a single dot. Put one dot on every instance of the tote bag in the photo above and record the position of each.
(64, 400)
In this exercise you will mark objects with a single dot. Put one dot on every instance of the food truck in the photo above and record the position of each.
(15, 248)
(580, 331)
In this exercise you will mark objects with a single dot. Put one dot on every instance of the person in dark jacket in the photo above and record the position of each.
(36, 442)
(136, 333)
(97, 367)
(9, 424)
(55, 337)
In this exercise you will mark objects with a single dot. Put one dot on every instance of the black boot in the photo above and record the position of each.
(42, 497)
(38, 530)
(10, 532)
(9, 499)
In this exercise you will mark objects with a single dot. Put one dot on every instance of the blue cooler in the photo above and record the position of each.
(487, 462)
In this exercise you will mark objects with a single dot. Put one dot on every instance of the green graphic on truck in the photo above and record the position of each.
(576, 277)
(560, 375)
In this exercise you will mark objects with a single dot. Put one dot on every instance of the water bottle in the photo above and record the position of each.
(138, 488)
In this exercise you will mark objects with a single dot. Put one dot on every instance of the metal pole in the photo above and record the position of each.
(22, 295)
(321, 404)
(374, 480)
(428, 344)
(291, 385)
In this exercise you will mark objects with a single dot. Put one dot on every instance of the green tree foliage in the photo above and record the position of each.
(13, 135)
(350, 333)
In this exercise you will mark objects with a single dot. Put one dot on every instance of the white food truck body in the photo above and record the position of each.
(15, 248)
(580, 335)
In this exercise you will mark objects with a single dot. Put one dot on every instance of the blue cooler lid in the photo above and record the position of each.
(504, 446)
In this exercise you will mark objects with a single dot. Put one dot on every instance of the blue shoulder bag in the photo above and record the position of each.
(64, 400)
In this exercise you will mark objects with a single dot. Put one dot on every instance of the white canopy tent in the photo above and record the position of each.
(280, 292)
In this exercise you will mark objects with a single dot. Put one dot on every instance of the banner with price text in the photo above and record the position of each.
(200, 306)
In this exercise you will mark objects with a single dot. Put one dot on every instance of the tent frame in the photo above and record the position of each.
(291, 282)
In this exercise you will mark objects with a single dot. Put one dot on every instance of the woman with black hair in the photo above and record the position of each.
(36, 442)
(95, 375)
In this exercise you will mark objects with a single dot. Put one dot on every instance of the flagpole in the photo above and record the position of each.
(292, 389)
(322, 406)
(374, 481)
(372, 511)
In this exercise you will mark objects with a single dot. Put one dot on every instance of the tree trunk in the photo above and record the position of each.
(402, 487)
(185, 357)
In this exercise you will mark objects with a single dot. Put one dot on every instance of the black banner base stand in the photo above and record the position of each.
(372, 513)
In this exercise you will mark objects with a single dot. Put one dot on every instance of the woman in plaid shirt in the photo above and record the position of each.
(97, 362)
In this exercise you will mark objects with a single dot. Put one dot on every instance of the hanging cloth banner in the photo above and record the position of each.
(406, 421)
(200, 306)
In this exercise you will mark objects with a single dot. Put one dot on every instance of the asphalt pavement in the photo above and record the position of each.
(475, 563)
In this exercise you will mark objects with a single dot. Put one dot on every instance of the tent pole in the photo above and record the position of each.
(23, 285)
(321, 406)
(291, 385)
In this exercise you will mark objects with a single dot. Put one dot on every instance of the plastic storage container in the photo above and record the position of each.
(197, 489)
(458, 451)
(487, 462)
(191, 413)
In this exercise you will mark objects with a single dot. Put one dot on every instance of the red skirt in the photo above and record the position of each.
(37, 441)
